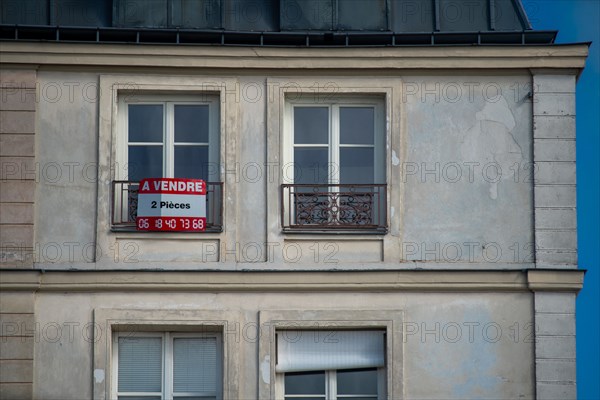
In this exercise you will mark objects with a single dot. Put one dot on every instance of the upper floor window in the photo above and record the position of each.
(167, 137)
(171, 139)
(337, 150)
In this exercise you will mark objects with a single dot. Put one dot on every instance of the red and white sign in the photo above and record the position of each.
(171, 204)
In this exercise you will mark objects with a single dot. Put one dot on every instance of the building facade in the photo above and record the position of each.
(390, 201)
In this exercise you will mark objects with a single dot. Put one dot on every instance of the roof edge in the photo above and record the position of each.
(275, 39)
(570, 56)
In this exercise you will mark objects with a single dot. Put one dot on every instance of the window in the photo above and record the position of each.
(337, 151)
(173, 138)
(167, 366)
(331, 365)
(170, 139)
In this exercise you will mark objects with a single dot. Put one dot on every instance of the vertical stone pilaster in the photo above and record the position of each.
(18, 170)
(555, 346)
(17, 339)
(554, 166)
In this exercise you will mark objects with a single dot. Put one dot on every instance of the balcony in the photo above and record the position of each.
(360, 208)
(125, 200)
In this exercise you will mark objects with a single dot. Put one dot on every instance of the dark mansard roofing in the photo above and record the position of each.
(304, 23)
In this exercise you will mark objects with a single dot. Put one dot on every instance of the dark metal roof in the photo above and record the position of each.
(272, 22)
(286, 39)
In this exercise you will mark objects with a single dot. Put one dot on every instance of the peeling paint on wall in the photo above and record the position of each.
(265, 370)
(491, 138)
(395, 159)
(99, 375)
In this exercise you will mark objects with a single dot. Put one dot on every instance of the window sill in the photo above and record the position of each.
(335, 231)
(133, 230)
(132, 233)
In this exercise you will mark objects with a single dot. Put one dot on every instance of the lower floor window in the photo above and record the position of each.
(355, 384)
(167, 365)
(331, 365)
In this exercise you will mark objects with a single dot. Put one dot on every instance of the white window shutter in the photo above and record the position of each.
(323, 350)
(195, 365)
(140, 364)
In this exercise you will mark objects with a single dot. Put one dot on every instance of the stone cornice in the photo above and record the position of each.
(313, 281)
(571, 56)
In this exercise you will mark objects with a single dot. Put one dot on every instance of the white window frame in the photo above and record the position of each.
(167, 363)
(168, 102)
(334, 103)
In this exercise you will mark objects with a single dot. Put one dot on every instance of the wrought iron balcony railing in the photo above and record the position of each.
(125, 201)
(334, 207)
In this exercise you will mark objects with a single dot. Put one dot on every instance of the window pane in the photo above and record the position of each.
(311, 125)
(357, 165)
(145, 162)
(310, 165)
(191, 162)
(305, 382)
(140, 364)
(145, 123)
(191, 123)
(195, 365)
(357, 125)
(357, 381)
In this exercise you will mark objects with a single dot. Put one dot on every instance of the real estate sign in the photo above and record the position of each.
(171, 204)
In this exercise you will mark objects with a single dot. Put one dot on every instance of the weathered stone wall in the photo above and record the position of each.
(459, 164)
(555, 179)
(17, 338)
(18, 175)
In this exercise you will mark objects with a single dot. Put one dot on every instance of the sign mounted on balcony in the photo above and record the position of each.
(171, 204)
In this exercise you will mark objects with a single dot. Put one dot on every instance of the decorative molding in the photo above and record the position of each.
(426, 57)
(555, 280)
(313, 281)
